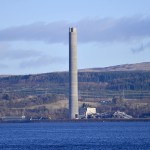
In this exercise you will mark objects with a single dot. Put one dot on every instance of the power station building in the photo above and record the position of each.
(73, 75)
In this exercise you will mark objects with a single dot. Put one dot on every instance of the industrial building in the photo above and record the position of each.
(86, 112)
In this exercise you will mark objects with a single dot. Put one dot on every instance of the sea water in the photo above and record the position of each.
(75, 136)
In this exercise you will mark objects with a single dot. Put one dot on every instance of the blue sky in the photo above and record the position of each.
(34, 34)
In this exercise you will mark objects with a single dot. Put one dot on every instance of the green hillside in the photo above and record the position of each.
(47, 94)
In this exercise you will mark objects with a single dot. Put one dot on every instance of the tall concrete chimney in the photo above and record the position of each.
(73, 75)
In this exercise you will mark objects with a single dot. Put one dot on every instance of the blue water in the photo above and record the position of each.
(75, 136)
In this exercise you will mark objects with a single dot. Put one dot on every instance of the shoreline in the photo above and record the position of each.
(79, 120)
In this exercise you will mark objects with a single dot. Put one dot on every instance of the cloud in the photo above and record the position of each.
(53, 32)
(43, 61)
(114, 30)
(3, 66)
(26, 58)
(7, 52)
(89, 30)
(142, 47)
(19, 54)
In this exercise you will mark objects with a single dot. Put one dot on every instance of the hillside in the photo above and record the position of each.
(47, 94)
(145, 66)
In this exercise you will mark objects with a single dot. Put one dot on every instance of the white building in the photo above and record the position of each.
(85, 112)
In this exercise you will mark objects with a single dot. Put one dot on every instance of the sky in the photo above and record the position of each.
(34, 34)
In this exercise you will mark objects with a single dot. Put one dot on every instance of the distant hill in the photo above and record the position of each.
(135, 77)
(145, 66)
(47, 94)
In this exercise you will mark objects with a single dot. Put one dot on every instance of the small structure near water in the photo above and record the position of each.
(121, 115)
(86, 112)
(13, 118)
